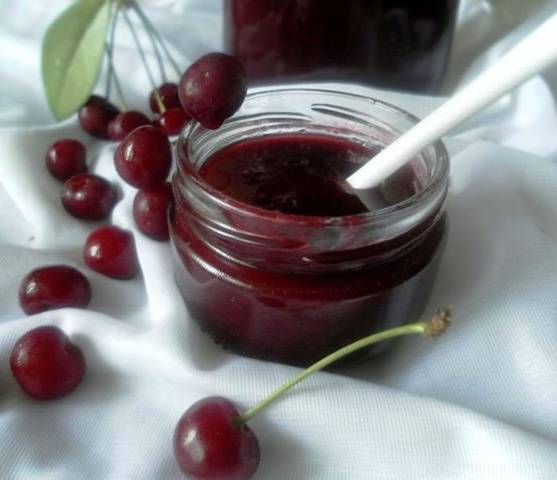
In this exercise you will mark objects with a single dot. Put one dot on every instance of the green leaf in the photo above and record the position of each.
(72, 53)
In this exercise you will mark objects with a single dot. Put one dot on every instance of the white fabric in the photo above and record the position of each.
(478, 403)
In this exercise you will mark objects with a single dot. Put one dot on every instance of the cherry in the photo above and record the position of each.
(168, 93)
(150, 209)
(172, 121)
(126, 122)
(209, 445)
(52, 287)
(46, 364)
(213, 89)
(111, 251)
(143, 159)
(212, 441)
(95, 116)
(65, 158)
(89, 197)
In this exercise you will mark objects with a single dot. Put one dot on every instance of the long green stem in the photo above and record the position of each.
(149, 26)
(108, 48)
(139, 49)
(158, 56)
(112, 75)
(432, 327)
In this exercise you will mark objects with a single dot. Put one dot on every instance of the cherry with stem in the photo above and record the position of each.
(212, 439)
(137, 42)
(119, 9)
(160, 49)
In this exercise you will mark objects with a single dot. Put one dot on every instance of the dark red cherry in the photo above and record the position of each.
(89, 197)
(213, 89)
(95, 116)
(46, 364)
(143, 159)
(52, 287)
(126, 122)
(168, 93)
(150, 208)
(172, 121)
(111, 251)
(209, 446)
(66, 158)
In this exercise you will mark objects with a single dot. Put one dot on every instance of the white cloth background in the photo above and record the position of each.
(477, 403)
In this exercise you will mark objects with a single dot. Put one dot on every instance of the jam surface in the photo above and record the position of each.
(293, 174)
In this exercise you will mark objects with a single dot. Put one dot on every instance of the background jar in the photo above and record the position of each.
(293, 288)
(398, 44)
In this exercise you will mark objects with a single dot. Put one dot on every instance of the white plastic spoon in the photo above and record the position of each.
(527, 58)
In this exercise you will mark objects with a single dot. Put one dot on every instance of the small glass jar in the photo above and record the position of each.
(292, 288)
(398, 44)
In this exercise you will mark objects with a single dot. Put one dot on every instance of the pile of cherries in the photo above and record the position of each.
(44, 361)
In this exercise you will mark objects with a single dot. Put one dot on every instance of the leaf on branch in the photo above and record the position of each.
(72, 54)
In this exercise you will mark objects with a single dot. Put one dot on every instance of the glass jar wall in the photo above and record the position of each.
(397, 44)
(289, 287)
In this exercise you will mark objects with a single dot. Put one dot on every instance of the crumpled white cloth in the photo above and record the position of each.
(478, 403)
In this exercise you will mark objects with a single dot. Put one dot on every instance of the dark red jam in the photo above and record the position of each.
(300, 175)
(401, 44)
(289, 270)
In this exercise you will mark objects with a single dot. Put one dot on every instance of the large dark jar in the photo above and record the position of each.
(292, 288)
(397, 44)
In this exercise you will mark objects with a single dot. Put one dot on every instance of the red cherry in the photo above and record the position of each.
(125, 123)
(57, 286)
(89, 197)
(150, 209)
(209, 446)
(172, 121)
(66, 158)
(111, 251)
(168, 93)
(95, 116)
(46, 364)
(213, 89)
(144, 158)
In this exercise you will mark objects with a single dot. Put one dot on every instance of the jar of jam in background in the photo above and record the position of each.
(395, 44)
(260, 267)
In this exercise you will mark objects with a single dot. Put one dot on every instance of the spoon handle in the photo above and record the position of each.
(534, 53)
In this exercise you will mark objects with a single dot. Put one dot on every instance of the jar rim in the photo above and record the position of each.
(406, 206)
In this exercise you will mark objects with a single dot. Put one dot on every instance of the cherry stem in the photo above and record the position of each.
(152, 41)
(151, 28)
(112, 74)
(108, 47)
(158, 55)
(139, 49)
(431, 328)
(160, 103)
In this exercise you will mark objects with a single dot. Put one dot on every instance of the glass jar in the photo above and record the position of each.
(398, 44)
(292, 288)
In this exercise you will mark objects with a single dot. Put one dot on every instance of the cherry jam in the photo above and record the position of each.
(278, 259)
(299, 175)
